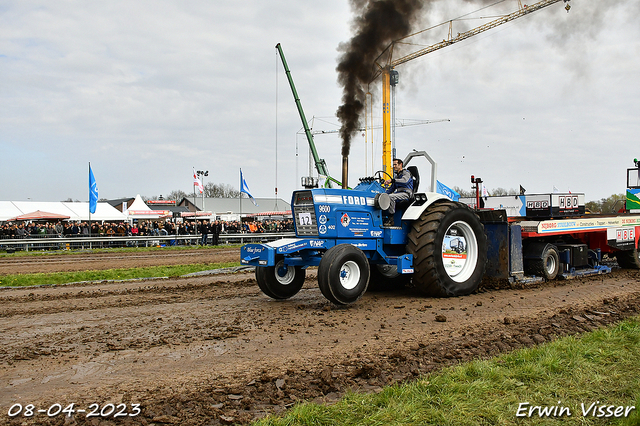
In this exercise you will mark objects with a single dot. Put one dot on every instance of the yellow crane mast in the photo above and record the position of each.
(385, 68)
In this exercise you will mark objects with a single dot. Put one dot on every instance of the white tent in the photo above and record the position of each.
(8, 210)
(139, 210)
(104, 212)
(76, 211)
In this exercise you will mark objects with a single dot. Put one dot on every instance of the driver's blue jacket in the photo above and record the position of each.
(402, 182)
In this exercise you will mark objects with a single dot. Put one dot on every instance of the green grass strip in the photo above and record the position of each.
(23, 280)
(600, 366)
(35, 252)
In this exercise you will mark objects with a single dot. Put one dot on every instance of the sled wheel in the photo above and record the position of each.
(343, 274)
(628, 259)
(449, 249)
(386, 278)
(548, 265)
(280, 281)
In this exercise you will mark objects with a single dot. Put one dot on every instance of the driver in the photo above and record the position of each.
(401, 188)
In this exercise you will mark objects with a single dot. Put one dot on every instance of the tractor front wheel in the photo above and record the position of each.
(280, 281)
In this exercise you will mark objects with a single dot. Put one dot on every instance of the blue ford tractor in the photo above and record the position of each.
(442, 246)
(341, 231)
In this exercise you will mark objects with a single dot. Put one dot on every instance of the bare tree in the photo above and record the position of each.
(176, 195)
(221, 190)
(211, 190)
(463, 192)
(503, 191)
(611, 204)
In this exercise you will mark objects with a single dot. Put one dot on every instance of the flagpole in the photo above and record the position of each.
(93, 196)
(195, 207)
(240, 195)
(89, 204)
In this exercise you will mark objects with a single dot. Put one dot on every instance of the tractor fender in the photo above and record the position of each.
(416, 208)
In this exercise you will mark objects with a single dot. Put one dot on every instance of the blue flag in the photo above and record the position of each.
(93, 192)
(244, 188)
(445, 190)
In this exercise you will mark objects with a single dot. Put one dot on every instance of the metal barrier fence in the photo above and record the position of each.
(74, 243)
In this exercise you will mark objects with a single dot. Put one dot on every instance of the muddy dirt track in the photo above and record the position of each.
(214, 350)
(95, 261)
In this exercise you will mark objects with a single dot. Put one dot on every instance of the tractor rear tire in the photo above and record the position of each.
(343, 274)
(439, 269)
(386, 278)
(280, 281)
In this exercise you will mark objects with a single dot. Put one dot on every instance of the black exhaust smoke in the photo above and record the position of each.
(380, 23)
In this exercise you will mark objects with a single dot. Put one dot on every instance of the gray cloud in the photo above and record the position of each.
(148, 90)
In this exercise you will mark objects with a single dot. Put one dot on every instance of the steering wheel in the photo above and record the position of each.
(379, 176)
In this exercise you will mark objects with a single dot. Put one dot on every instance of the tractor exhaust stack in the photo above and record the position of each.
(345, 171)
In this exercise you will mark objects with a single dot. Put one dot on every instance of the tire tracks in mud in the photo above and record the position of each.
(36, 302)
(274, 391)
(214, 350)
(242, 398)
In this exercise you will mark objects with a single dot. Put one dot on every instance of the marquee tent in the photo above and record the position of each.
(9, 210)
(139, 210)
(280, 213)
(104, 212)
(73, 211)
(40, 215)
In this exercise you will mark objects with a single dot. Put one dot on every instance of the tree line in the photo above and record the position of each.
(610, 204)
(210, 190)
(495, 191)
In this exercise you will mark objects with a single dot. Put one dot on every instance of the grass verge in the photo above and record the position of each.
(23, 280)
(115, 250)
(602, 367)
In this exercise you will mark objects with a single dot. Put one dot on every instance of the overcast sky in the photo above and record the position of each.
(148, 90)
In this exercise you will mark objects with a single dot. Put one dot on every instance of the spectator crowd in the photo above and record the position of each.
(11, 230)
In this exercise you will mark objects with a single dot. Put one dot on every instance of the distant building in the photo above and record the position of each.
(121, 204)
(232, 209)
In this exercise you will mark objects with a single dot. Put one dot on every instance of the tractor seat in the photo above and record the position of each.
(416, 183)
(416, 177)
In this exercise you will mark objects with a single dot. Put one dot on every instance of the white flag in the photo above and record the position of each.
(197, 182)
(485, 193)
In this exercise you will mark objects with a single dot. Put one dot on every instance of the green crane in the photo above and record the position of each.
(321, 166)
